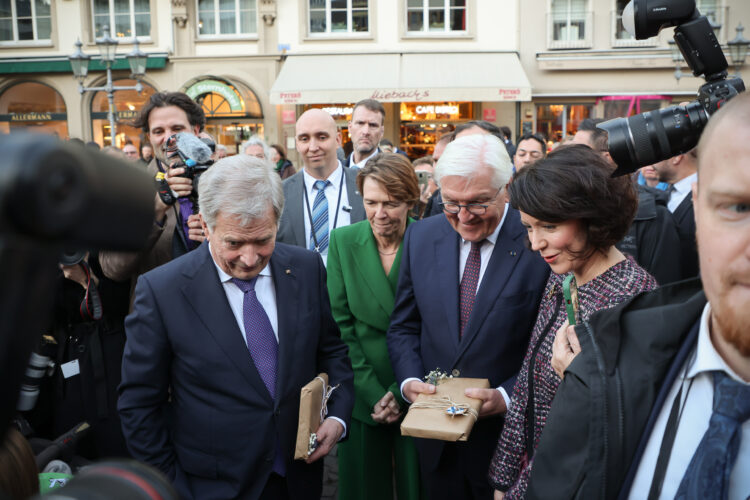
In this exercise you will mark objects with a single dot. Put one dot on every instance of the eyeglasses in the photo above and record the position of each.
(472, 208)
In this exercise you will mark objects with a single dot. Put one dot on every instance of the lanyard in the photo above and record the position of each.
(670, 432)
(309, 212)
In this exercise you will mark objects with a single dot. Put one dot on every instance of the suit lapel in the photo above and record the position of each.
(286, 287)
(363, 252)
(504, 258)
(355, 197)
(446, 256)
(683, 209)
(206, 295)
(295, 205)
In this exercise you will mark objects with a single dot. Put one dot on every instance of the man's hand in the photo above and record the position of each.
(424, 193)
(328, 434)
(493, 402)
(195, 228)
(499, 495)
(565, 348)
(414, 388)
(180, 185)
(387, 410)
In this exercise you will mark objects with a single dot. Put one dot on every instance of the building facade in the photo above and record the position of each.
(255, 65)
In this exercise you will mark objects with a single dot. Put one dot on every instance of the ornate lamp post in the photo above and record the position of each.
(738, 49)
(79, 62)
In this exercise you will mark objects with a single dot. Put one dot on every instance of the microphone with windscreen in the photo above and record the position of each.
(195, 156)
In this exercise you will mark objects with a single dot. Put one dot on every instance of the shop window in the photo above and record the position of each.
(435, 16)
(620, 36)
(558, 121)
(25, 20)
(33, 107)
(124, 18)
(227, 17)
(329, 17)
(569, 24)
(127, 105)
(624, 106)
(422, 124)
(233, 112)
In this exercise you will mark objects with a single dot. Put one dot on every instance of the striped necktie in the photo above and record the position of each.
(319, 229)
(467, 290)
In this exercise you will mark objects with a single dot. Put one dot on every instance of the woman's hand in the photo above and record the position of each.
(499, 495)
(564, 349)
(387, 410)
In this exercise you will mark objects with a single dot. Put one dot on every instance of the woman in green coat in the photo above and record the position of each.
(363, 264)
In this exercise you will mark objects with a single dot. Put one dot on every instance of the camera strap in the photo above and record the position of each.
(91, 305)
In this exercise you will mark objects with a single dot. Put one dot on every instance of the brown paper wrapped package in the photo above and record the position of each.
(433, 423)
(310, 405)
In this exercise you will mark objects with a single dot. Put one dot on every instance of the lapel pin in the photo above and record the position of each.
(512, 253)
(288, 271)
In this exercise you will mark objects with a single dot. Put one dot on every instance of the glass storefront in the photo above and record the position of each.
(233, 112)
(624, 106)
(422, 124)
(128, 104)
(341, 113)
(33, 107)
(557, 121)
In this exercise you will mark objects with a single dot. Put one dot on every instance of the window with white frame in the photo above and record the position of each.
(569, 23)
(124, 18)
(338, 16)
(227, 17)
(25, 20)
(435, 16)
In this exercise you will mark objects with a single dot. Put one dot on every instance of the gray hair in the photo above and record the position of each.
(241, 186)
(465, 155)
(256, 140)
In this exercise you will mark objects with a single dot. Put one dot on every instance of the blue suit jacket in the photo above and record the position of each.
(192, 402)
(424, 335)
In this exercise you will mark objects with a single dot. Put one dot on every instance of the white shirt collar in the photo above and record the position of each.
(224, 277)
(364, 161)
(706, 357)
(686, 184)
(493, 237)
(334, 179)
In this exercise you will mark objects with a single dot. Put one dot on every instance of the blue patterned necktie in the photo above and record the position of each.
(320, 219)
(264, 350)
(707, 476)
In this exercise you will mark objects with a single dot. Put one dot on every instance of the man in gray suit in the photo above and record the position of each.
(323, 195)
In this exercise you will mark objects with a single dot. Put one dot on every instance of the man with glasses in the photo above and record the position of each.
(473, 318)
(529, 149)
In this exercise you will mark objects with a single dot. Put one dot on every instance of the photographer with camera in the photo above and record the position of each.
(176, 229)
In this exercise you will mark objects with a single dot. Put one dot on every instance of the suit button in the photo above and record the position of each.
(456, 373)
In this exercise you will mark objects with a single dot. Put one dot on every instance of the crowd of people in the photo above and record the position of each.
(377, 270)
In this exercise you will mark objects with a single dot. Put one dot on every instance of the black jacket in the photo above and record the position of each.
(653, 240)
(603, 404)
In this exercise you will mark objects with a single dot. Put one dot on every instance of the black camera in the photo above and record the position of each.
(657, 135)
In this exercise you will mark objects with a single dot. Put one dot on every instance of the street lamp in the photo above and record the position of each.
(674, 49)
(79, 63)
(738, 49)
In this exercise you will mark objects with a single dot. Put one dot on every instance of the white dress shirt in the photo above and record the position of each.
(266, 293)
(693, 424)
(485, 252)
(332, 195)
(682, 189)
(364, 161)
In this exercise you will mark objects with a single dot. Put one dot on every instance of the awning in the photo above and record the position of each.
(61, 64)
(467, 76)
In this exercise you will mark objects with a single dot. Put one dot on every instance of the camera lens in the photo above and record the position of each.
(648, 138)
(35, 371)
(126, 480)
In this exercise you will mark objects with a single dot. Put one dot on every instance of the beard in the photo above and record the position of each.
(733, 324)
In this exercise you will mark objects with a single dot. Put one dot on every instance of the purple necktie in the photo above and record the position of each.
(467, 290)
(264, 349)
(261, 340)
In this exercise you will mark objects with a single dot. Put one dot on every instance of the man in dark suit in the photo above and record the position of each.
(467, 298)
(366, 129)
(680, 172)
(220, 343)
(323, 195)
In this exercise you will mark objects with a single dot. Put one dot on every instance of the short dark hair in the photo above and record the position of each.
(599, 137)
(395, 173)
(280, 149)
(386, 142)
(506, 131)
(484, 125)
(183, 101)
(447, 137)
(425, 160)
(535, 137)
(574, 183)
(372, 105)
